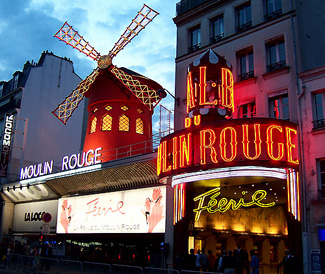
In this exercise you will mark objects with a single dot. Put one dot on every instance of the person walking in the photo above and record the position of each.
(239, 257)
(198, 263)
(255, 263)
(190, 260)
(211, 261)
(289, 263)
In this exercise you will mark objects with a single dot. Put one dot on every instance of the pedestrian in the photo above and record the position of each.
(289, 263)
(211, 261)
(255, 263)
(35, 255)
(190, 260)
(204, 261)
(46, 254)
(198, 263)
(229, 263)
(239, 257)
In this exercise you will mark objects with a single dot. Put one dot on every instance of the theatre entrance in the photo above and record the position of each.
(257, 212)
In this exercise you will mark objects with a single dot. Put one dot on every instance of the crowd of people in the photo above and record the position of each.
(9, 250)
(233, 262)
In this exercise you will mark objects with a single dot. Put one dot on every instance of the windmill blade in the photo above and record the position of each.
(144, 93)
(64, 111)
(143, 18)
(71, 37)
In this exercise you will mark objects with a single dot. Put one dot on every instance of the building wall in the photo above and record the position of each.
(41, 135)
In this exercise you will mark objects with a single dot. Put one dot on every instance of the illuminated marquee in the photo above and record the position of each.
(71, 162)
(263, 142)
(213, 205)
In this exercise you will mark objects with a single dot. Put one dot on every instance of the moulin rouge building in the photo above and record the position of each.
(235, 181)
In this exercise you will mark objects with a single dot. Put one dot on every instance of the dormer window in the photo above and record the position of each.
(15, 81)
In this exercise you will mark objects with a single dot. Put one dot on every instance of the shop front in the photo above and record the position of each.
(110, 212)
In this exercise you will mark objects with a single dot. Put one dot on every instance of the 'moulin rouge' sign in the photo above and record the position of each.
(211, 139)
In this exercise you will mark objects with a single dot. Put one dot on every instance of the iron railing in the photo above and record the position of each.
(319, 124)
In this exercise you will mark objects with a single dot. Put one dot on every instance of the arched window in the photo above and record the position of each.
(107, 122)
(93, 125)
(124, 123)
(139, 126)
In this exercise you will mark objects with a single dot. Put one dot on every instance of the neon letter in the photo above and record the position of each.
(290, 145)
(269, 142)
(227, 89)
(204, 146)
(223, 144)
(184, 150)
(190, 93)
(257, 141)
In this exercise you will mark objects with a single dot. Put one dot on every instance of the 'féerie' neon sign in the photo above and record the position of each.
(213, 205)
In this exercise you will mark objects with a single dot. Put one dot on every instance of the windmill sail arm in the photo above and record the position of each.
(64, 110)
(144, 93)
(142, 19)
(72, 38)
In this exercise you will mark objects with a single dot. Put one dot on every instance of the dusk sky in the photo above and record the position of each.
(27, 28)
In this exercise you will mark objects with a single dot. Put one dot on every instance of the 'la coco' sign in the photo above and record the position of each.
(73, 161)
(258, 141)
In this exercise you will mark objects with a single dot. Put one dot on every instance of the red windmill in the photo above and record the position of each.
(121, 101)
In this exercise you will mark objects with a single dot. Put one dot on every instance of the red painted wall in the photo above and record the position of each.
(107, 90)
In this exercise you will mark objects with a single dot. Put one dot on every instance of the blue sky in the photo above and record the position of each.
(27, 28)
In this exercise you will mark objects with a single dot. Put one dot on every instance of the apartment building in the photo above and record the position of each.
(27, 100)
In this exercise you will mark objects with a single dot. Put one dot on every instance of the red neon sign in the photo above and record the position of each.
(264, 142)
(212, 93)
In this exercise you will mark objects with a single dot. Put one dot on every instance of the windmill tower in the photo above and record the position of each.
(121, 101)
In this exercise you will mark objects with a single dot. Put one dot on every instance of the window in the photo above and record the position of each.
(15, 81)
(95, 109)
(107, 122)
(139, 126)
(244, 17)
(93, 125)
(217, 29)
(108, 107)
(195, 38)
(140, 110)
(246, 65)
(321, 177)
(318, 106)
(273, 8)
(124, 108)
(247, 110)
(276, 57)
(124, 123)
(279, 107)
(1, 89)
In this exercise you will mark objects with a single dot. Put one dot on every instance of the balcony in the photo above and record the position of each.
(194, 47)
(319, 124)
(244, 27)
(186, 5)
(276, 66)
(272, 15)
(246, 76)
(217, 38)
